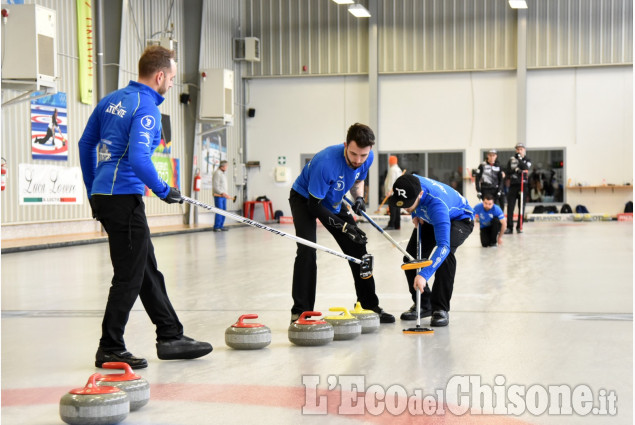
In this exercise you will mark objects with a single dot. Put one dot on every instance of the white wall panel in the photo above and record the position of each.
(298, 116)
(16, 127)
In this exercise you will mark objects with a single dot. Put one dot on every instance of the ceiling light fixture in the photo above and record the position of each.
(344, 1)
(518, 4)
(359, 11)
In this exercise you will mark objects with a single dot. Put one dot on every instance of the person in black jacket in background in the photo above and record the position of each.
(490, 177)
(516, 165)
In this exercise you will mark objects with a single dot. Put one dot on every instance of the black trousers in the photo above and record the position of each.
(513, 196)
(135, 271)
(395, 217)
(489, 234)
(305, 266)
(439, 297)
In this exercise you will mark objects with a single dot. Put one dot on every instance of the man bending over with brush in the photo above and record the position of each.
(318, 193)
(446, 220)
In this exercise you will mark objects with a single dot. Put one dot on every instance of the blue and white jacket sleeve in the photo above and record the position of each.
(442, 225)
(144, 132)
(88, 150)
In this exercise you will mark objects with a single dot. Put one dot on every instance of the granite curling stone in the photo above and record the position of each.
(94, 404)
(345, 325)
(247, 336)
(368, 318)
(308, 332)
(137, 388)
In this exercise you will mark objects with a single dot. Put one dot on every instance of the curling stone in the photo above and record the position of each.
(94, 404)
(368, 318)
(247, 336)
(310, 332)
(137, 388)
(345, 325)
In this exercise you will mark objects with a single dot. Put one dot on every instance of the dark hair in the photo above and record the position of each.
(361, 134)
(488, 196)
(154, 59)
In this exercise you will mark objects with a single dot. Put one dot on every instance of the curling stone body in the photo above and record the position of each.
(368, 319)
(94, 405)
(137, 388)
(247, 336)
(310, 332)
(345, 326)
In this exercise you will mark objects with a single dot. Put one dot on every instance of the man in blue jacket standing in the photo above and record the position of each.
(115, 149)
(317, 193)
(446, 220)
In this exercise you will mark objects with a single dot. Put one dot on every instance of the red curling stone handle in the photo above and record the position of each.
(241, 324)
(304, 321)
(127, 375)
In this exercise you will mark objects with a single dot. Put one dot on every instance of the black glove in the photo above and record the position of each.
(174, 196)
(359, 205)
(499, 194)
(479, 195)
(355, 233)
(518, 156)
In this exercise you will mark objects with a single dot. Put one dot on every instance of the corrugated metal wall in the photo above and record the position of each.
(564, 33)
(150, 19)
(318, 34)
(436, 35)
(446, 35)
(16, 126)
(220, 24)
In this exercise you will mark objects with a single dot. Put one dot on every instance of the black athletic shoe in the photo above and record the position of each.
(122, 356)
(383, 316)
(294, 317)
(508, 232)
(518, 231)
(440, 318)
(184, 348)
(412, 313)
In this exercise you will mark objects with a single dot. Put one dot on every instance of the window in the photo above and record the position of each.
(446, 167)
(546, 176)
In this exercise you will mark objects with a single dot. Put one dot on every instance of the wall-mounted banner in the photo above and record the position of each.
(86, 48)
(169, 169)
(48, 127)
(50, 185)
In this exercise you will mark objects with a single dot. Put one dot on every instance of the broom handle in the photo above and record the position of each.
(269, 229)
(418, 270)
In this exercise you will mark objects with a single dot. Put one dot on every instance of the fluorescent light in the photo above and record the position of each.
(359, 11)
(518, 4)
(344, 1)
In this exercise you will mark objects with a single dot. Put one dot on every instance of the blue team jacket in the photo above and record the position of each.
(328, 177)
(439, 206)
(122, 133)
